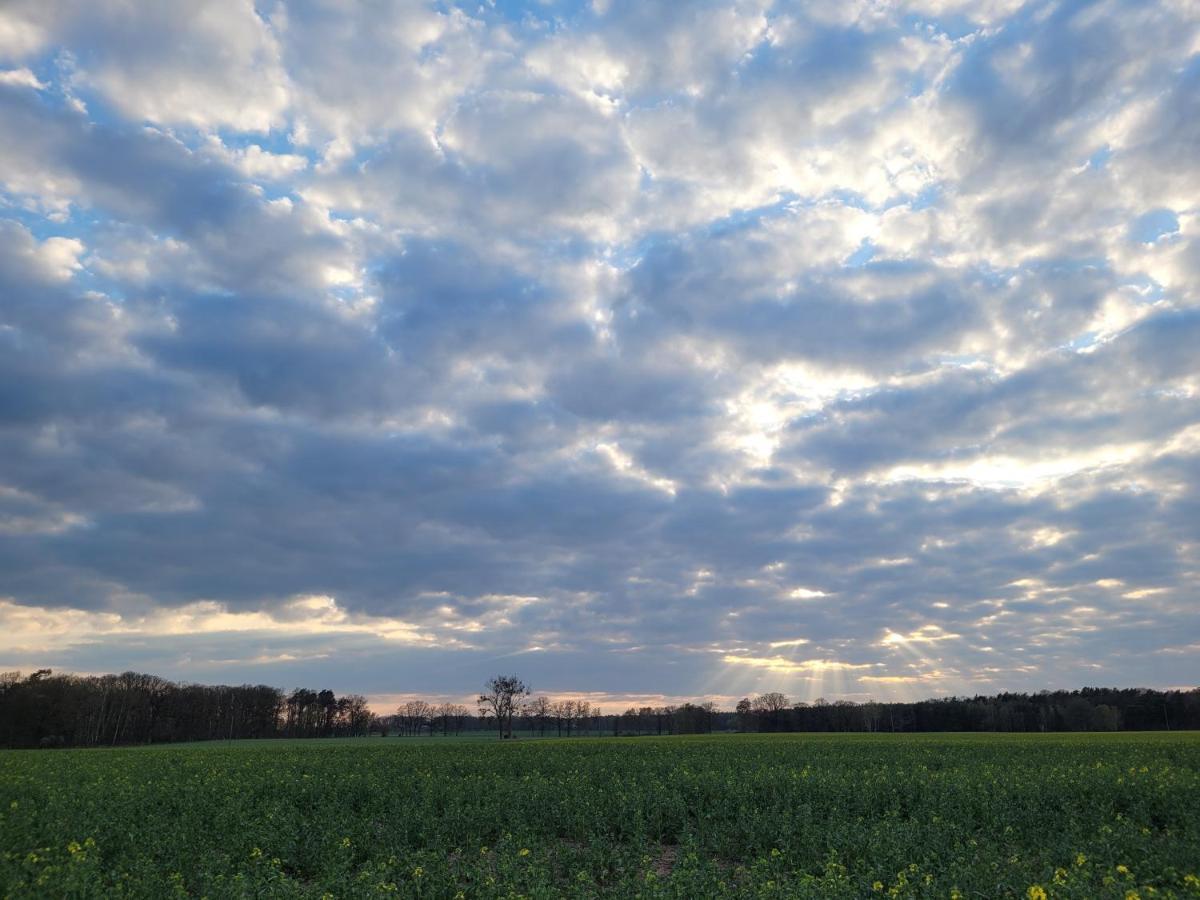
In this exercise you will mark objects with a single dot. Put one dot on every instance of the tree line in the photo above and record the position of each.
(49, 710)
(1089, 709)
(501, 707)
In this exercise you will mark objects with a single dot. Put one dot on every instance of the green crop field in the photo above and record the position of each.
(772, 815)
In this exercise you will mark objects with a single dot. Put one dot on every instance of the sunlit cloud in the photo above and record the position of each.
(772, 347)
(926, 634)
(787, 666)
(30, 629)
(805, 593)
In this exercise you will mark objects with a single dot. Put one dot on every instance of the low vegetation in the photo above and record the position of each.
(1025, 816)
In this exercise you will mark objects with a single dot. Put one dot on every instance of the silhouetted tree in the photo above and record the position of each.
(415, 716)
(539, 710)
(500, 698)
(771, 709)
(745, 715)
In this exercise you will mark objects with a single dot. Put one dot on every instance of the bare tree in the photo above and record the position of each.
(355, 715)
(581, 710)
(772, 702)
(415, 714)
(538, 709)
(771, 709)
(458, 715)
(500, 698)
(451, 715)
(573, 714)
(561, 710)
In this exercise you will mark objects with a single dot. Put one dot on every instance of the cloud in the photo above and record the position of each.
(217, 65)
(833, 349)
(21, 77)
(358, 79)
(654, 47)
(787, 666)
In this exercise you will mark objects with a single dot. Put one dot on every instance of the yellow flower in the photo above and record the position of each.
(255, 853)
(1036, 892)
(1122, 870)
(774, 851)
(345, 842)
(524, 851)
(418, 872)
(73, 848)
(1060, 876)
(1132, 895)
(1080, 859)
(877, 886)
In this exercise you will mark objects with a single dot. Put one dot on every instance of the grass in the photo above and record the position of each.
(733, 815)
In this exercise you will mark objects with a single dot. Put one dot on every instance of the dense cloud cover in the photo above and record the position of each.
(838, 348)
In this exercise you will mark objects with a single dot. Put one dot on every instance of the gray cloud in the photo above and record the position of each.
(760, 347)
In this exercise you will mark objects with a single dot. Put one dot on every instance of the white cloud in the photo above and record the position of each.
(207, 64)
(57, 258)
(59, 630)
(21, 77)
(361, 76)
(256, 163)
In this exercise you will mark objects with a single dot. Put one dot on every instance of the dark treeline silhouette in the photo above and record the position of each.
(687, 718)
(47, 710)
(416, 717)
(1089, 709)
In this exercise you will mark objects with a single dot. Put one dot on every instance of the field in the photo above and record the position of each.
(771, 815)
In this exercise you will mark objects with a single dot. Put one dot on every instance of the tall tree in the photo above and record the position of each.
(500, 698)
(539, 709)
(772, 709)
(415, 715)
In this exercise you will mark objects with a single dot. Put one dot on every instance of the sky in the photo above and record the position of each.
(648, 350)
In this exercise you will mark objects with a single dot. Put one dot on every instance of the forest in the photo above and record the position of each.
(49, 710)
